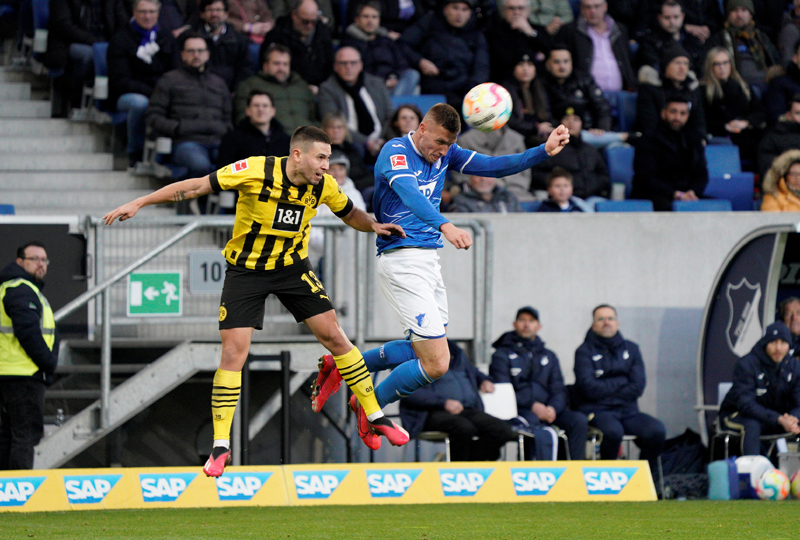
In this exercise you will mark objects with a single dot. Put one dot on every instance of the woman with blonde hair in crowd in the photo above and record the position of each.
(782, 184)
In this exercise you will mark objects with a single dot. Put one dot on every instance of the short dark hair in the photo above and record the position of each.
(559, 47)
(273, 47)
(558, 172)
(257, 92)
(678, 97)
(411, 107)
(783, 306)
(205, 3)
(190, 34)
(446, 116)
(795, 99)
(306, 135)
(670, 3)
(21, 249)
(601, 306)
(369, 3)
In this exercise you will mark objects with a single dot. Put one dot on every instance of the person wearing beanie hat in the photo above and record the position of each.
(765, 396)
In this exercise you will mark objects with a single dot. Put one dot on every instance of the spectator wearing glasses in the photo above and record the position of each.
(230, 57)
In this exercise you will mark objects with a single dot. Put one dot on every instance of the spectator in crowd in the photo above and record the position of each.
(500, 142)
(765, 396)
(381, 55)
(668, 30)
(363, 98)
(404, 119)
(451, 54)
(609, 379)
(703, 17)
(599, 47)
(335, 125)
(551, 14)
(589, 174)
(751, 48)
(253, 18)
(293, 100)
(30, 355)
(229, 56)
(782, 89)
(396, 15)
(452, 404)
(192, 106)
(789, 34)
(782, 186)
(675, 78)
(511, 35)
(784, 136)
(485, 195)
(731, 106)
(530, 112)
(520, 358)
(138, 55)
(178, 16)
(559, 191)
(325, 9)
(73, 27)
(627, 13)
(670, 163)
(308, 39)
(259, 134)
(789, 313)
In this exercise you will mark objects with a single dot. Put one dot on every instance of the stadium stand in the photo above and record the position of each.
(631, 205)
(620, 166)
(704, 205)
(423, 101)
(726, 179)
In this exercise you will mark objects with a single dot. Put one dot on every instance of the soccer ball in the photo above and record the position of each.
(487, 107)
(795, 485)
(773, 486)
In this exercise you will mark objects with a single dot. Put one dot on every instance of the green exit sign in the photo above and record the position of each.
(155, 293)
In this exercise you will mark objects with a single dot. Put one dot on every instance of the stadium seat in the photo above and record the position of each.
(735, 187)
(423, 101)
(530, 206)
(7, 210)
(436, 437)
(631, 205)
(620, 166)
(41, 17)
(255, 49)
(705, 205)
(100, 50)
(723, 159)
(627, 110)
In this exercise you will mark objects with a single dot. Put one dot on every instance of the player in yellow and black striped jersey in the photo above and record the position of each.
(268, 255)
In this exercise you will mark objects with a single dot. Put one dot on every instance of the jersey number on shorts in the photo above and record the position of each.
(315, 284)
(288, 217)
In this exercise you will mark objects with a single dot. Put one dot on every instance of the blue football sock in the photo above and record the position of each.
(389, 355)
(402, 381)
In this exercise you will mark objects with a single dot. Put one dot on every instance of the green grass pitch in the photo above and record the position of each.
(597, 521)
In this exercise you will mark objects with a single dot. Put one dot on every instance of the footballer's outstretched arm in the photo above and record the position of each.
(361, 221)
(179, 191)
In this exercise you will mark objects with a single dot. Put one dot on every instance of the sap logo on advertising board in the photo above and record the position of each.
(317, 484)
(164, 487)
(463, 482)
(17, 491)
(240, 486)
(391, 483)
(607, 480)
(535, 481)
(89, 489)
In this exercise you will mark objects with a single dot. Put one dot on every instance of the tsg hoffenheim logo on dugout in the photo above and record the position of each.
(607, 480)
(17, 491)
(317, 484)
(391, 483)
(535, 480)
(90, 488)
(164, 487)
(463, 482)
(240, 486)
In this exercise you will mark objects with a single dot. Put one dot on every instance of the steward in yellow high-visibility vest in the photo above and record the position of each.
(28, 355)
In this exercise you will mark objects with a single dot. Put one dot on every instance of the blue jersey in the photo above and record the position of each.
(408, 189)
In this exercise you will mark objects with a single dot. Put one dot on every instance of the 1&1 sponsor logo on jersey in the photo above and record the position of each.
(17, 491)
(463, 482)
(89, 489)
(240, 486)
(607, 480)
(391, 483)
(164, 487)
(535, 480)
(317, 484)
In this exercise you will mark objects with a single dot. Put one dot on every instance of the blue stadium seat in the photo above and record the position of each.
(705, 205)
(7, 209)
(631, 205)
(735, 187)
(530, 206)
(620, 166)
(626, 104)
(41, 16)
(254, 49)
(423, 101)
(723, 159)
(100, 51)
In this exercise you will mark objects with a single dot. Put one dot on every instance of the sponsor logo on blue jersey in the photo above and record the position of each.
(89, 489)
(391, 483)
(17, 491)
(535, 481)
(317, 484)
(463, 482)
(240, 486)
(607, 480)
(164, 487)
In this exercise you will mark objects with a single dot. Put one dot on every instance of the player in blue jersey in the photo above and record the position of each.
(409, 176)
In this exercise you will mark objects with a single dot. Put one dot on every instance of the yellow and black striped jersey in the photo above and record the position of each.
(272, 214)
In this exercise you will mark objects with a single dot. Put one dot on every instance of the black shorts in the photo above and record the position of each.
(245, 291)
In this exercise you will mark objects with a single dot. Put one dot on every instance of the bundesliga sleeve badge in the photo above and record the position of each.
(240, 166)
(398, 162)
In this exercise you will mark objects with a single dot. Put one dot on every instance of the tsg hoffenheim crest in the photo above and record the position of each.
(744, 324)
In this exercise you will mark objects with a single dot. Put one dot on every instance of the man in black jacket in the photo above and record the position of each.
(28, 355)
(784, 136)
(781, 90)
(257, 135)
(670, 29)
(230, 55)
(765, 396)
(511, 36)
(670, 163)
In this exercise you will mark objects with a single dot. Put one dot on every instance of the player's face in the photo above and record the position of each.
(434, 141)
(605, 323)
(260, 111)
(35, 261)
(146, 15)
(671, 18)
(526, 326)
(791, 318)
(368, 20)
(457, 14)
(777, 350)
(560, 190)
(313, 163)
